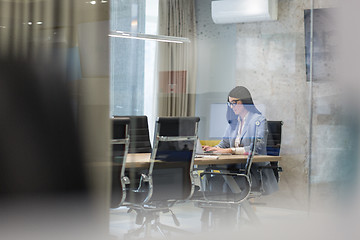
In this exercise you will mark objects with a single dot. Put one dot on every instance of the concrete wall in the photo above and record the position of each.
(216, 65)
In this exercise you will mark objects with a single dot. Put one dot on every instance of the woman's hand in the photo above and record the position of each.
(217, 149)
(208, 148)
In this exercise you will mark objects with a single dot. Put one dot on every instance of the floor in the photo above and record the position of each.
(189, 217)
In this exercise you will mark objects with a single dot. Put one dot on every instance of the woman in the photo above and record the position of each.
(245, 124)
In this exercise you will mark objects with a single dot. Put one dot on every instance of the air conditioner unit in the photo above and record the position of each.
(238, 11)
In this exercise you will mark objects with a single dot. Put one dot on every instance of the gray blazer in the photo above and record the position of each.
(269, 181)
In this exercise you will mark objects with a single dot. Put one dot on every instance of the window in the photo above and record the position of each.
(132, 61)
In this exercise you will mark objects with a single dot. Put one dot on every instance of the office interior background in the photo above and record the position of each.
(114, 65)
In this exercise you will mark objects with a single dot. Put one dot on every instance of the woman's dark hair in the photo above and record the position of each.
(243, 94)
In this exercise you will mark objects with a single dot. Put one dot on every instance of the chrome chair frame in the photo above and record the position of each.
(207, 204)
(124, 180)
(273, 165)
(148, 212)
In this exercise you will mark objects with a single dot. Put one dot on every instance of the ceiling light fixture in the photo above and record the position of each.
(142, 36)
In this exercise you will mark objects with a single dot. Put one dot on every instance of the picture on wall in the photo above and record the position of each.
(324, 43)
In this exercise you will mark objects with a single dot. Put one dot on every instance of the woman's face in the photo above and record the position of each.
(236, 105)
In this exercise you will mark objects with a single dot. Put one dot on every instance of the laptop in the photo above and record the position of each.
(200, 151)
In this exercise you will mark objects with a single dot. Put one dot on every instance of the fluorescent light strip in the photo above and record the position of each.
(141, 36)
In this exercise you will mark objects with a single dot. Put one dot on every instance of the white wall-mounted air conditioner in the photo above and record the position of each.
(238, 11)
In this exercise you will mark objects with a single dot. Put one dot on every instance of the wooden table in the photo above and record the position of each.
(142, 160)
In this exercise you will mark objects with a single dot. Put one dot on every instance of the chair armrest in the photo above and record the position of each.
(126, 180)
(195, 174)
(144, 178)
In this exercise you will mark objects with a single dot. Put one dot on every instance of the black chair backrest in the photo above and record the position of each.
(178, 126)
(119, 127)
(120, 147)
(139, 134)
(274, 143)
(274, 138)
(174, 145)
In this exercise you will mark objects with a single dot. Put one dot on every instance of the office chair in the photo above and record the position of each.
(274, 144)
(120, 146)
(238, 185)
(170, 175)
(273, 149)
(139, 142)
(138, 188)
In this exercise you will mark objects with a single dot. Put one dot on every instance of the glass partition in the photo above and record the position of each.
(290, 68)
(169, 58)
